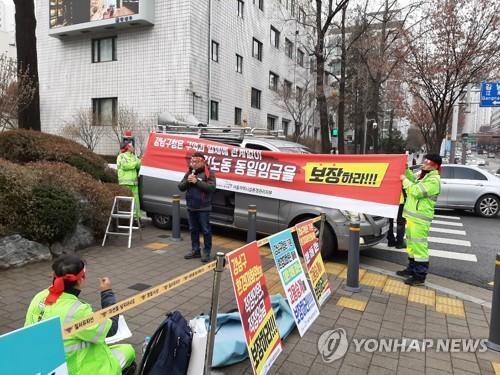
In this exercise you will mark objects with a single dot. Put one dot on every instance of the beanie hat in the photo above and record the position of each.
(435, 159)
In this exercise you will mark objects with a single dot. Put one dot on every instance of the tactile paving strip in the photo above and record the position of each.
(352, 303)
(421, 295)
(373, 279)
(156, 246)
(362, 272)
(496, 367)
(450, 306)
(396, 287)
(334, 268)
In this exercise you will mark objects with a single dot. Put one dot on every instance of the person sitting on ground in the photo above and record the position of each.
(86, 351)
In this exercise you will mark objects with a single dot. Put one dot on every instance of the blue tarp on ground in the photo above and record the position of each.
(230, 345)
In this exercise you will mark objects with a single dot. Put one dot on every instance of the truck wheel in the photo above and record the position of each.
(162, 221)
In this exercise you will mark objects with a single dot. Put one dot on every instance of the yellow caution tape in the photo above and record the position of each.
(138, 299)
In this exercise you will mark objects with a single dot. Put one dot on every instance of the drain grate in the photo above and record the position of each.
(140, 287)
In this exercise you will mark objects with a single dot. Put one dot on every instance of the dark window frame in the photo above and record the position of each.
(273, 81)
(276, 34)
(239, 64)
(216, 50)
(214, 110)
(256, 98)
(289, 48)
(241, 8)
(97, 43)
(237, 115)
(97, 110)
(257, 54)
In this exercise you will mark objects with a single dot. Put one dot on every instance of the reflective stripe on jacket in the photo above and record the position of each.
(128, 164)
(421, 196)
(86, 351)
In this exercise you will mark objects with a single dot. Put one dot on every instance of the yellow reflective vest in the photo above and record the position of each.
(86, 351)
(128, 164)
(421, 196)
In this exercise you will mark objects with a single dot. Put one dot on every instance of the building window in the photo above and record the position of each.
(104, 111)
(256, 94)
(302, 15)
(239, 63)
(289, 48)
(271, 122)
(237, 116)
(260, 4)
(257, 49)
(104, 49)
(275, 37)
(292, 8)
(300, 93)
(300, 57)
(287, 88)
(273, 81)
(241, 4)
(214, 110)
(285, 124)
(215, 51)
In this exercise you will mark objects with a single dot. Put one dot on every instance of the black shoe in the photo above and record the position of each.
(192, 255)
(401, 245)
(391, 243)
(414, 282)
(403, 273)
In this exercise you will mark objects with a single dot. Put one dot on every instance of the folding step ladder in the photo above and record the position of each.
(122, 211)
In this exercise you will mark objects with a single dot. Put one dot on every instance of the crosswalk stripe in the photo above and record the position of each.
(449, 241)
(435, 253)
(448, 217)
(447, 223)
(449, 231)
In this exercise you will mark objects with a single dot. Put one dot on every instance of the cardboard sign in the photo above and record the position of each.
(297, 289)
(313, 260)
(36, 349)
(257, 315)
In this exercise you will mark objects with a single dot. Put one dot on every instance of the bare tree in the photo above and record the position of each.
(127, 119)
(16, 91)
(299, 103)
(82, 128)
(457, 44)
(27, 61)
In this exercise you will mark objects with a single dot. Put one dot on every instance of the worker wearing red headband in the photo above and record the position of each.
(86, 351)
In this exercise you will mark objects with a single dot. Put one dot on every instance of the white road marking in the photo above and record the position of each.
(449, 231)
(449, 241)
(434, 253)
(447, 223)
(448, 217)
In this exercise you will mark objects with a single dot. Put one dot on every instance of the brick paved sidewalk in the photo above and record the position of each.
(386, 308)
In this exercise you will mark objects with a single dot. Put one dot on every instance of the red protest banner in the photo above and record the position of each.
(363, 183)
(257, 315)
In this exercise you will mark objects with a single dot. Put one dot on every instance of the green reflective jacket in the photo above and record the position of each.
(86, 351)
(421, 196)
(128, 164)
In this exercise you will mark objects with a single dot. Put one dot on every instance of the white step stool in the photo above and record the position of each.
(117, 213)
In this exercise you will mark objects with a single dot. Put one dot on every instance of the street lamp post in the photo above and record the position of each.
(366, 130)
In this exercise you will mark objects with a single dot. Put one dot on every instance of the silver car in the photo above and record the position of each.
(467, 187)
(230, 209)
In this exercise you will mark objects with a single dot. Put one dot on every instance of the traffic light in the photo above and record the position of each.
(335, 132)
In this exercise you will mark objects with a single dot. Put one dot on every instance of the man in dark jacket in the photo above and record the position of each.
(199, 185)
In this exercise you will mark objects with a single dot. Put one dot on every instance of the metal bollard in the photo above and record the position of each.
(213, 311)
(352, 282)
(176, 218)
(252, 219)
(493, 341)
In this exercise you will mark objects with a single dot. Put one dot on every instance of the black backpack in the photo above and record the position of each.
(169, 349)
